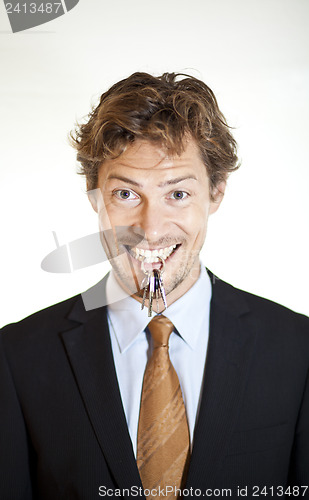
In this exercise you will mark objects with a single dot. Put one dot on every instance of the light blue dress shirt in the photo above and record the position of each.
(187, 349)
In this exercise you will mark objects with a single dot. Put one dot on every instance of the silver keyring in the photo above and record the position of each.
(148, 272)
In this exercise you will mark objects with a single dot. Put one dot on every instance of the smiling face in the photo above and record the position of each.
(165, 199)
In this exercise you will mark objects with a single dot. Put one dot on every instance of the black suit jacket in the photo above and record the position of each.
(63, 428)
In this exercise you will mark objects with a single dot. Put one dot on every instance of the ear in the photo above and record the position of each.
(217, 197)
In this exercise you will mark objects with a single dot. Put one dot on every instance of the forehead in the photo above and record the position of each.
(150, 159)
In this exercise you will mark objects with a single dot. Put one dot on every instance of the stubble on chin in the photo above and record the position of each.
(189, 270)
(126, 276)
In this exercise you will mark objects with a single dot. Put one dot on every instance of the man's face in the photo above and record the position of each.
(164, 199)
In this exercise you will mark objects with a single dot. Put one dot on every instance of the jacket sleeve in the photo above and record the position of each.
(15, 468)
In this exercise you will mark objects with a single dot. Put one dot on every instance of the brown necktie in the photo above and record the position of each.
(163, 435)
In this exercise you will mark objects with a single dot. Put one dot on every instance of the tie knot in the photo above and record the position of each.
(160, 328)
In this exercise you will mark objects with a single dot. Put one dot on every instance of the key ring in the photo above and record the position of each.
(148, 272)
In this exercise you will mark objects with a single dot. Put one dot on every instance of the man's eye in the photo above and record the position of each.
(125, 194)
(179, 195)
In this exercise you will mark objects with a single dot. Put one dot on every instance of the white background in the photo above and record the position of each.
(252, 53)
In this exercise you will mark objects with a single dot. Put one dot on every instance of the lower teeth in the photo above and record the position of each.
(149, 260)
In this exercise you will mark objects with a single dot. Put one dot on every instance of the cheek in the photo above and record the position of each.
(104, 220)
(194, 221)
(110, 216)
(120, 214)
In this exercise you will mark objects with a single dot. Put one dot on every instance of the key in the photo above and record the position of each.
(145, 283)
(162, 291)
(152, 282)
(157, 300)
(156, 277)
(157, 288)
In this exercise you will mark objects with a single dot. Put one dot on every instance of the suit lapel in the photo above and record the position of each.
(89, 351)
(230, 348)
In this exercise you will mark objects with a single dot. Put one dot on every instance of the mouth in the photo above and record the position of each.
(152, 256)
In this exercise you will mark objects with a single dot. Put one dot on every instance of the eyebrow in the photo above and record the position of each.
(177, 180)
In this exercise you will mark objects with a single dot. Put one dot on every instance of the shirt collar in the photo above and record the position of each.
(129, 322)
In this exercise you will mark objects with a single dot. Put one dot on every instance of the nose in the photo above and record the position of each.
(153, 221)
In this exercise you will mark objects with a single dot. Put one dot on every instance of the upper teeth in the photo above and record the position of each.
(151, 256)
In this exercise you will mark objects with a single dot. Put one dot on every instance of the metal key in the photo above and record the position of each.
(162, 291)
(145, 285)
(157, 288)
(152, 282)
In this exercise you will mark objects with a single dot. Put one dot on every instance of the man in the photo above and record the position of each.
(96, 400)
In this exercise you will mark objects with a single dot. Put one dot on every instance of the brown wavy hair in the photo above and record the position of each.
(166, 110)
